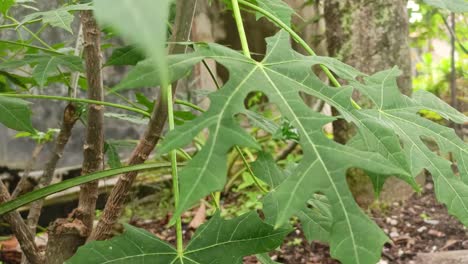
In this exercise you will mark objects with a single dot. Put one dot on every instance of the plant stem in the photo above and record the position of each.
(240, 28)
(93, 152)
(185, 10)
(30, 32)
(17, 24)
(193, 106)
(24, 183)
(20, 230)
(30, 46)
(78, 100)
(249, 169)
(296, 38)
(175, 176)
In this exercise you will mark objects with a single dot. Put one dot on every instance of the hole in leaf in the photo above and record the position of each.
(430, 143)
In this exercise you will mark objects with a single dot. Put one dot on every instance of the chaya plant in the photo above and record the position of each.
(389, 141)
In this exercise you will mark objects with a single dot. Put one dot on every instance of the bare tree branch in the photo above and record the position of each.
(21, 230)
(184, 15)
(94, 145)
(24, 184)
(69, 119)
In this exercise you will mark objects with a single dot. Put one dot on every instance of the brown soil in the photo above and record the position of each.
(419, 225)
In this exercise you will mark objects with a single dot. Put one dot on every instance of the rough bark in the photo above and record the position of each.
(66, 235)
(370, 36)
(69, 119)
(115, 202)
(21, 230)
(94, 144)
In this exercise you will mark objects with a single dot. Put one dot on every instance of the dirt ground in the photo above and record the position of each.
(419, 225)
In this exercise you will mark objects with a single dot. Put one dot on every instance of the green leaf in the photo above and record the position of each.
(144, 101)
(61, 186)
(60, 17)
(46, 66)
(5, 6)
(147, 74)
(281, 76)
(218, 242)
(128, 55)
(433, 103)
(144, 24)
(182, 116)
(262, 122)
(400, 114)
(457, 6)
(278, 8)
(315, 216)
(15, 114)
(113, 158)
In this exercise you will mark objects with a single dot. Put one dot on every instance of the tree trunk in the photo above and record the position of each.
(370, 36)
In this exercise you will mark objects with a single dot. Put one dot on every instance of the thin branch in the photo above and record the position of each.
(21, 230)
(69, 119)
(184, 15)
(94, 145)
(25, 183)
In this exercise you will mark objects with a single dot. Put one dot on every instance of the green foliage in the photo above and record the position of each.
(5, 5)
(39, 137)
(45, 65)
(60, 17)
(390, 139)
(112, 153)
(457, 6)
(15, 114)
(143, 26)
(282, 67)
(128, 55)
(64, 185)
(218, 242)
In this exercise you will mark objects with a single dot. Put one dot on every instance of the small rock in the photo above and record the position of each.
(394, 234)
(436, 233)
(422, 229)
(429, 186)
(431, 222)
(465, 244)
(393, 222)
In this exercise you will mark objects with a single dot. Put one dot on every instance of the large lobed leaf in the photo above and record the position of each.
(400, 114)
(60, 17)
(282, 75)
(218, 242)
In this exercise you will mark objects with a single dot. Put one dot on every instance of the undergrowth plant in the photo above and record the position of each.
(390, 138)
